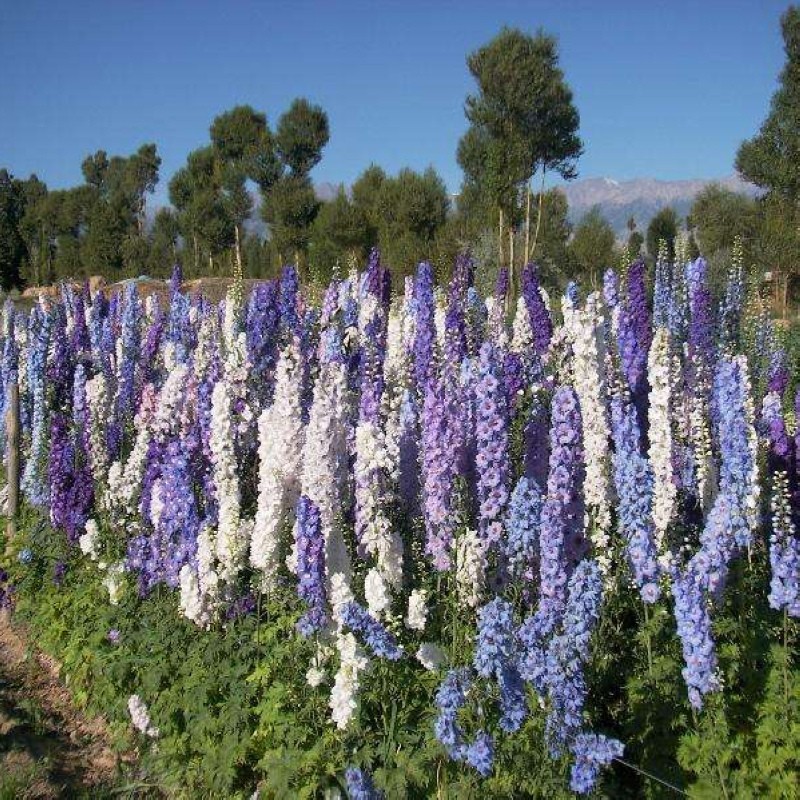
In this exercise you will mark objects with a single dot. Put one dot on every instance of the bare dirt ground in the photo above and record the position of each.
(47, 748)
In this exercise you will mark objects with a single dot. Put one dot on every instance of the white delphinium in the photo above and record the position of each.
(325, 472)
(156, 502)
(431, 656)
(522, 333)
(114, 582)
(754, 487)
(170, 400)
(417, 614)
(470, 567)
(705, 473)
(150, 308)
(207, 344)
(439, 315)
(584, 329)
(236, 368)
(124, 487)
(140, 717)
(230, 546)
(660, 436)
(207, 576)
(190, 600)
(98, 413)
(280, 449)
(315, 676)
(90, 540)
(168, 355)
(376, 593)
(352, 661)
(370, 470)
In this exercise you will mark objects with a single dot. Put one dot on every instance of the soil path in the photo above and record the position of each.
(47, 748)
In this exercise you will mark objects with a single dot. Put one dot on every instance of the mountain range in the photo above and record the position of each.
(640, 198)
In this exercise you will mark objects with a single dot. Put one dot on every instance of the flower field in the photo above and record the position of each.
(429, 545)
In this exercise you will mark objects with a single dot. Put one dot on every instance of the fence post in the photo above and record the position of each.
(12, 467)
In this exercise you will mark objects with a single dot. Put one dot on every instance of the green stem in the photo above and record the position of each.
(647, 641)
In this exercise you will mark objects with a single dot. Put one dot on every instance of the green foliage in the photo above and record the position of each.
(522, 118)
(719, 216)
(663, 227)
(592, 247)
(771, 159)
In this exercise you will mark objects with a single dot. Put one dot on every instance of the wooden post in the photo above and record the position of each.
(12, 447)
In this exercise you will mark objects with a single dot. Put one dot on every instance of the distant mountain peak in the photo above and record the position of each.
(641, 198)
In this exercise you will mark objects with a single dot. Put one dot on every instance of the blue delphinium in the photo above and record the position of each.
(567, 654)
(310, 567)
(382, 643)
(592, 752)
(634, 483)
(479, 753)
(360, 785)
(522, 530)
(560, 534)
(451, 697)
(694, 629)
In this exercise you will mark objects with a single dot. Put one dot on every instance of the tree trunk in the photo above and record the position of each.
(196, 255)
(500, 240)
(527, 225)
(238, 251)
(510, 290)
(538, 215)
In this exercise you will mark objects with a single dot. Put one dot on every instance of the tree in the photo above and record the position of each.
(163, 251)
(339, 233)
(12, 245)
(663, 225)
(719, 215)
(552, 253)
(302, 133)
(771, 159)
(592, 246)
(411, 208)
(521, 120)
(366, 192)
(290, 206)
(289, 209)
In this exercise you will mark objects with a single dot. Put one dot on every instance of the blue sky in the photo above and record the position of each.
(664, 89)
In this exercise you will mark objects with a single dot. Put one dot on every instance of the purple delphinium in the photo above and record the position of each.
(778, 376)
(113, 636)
(310, 567)
(611, 288)
(287, 302)
(7, 590)
(592, 752)
(541, 324)
(59, 572)
(491, 459)
(382, 643)
(702, 351)
(425, 335)
(537, 444)
(635, 333)
(633, 478)
(261, 329)
(130, 336)
(438, 471)
(476, 316)
(71, 490)
(172, 541)
(360, 785)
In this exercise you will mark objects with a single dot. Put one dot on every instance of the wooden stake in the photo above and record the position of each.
(527, 226)
(12, 467)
